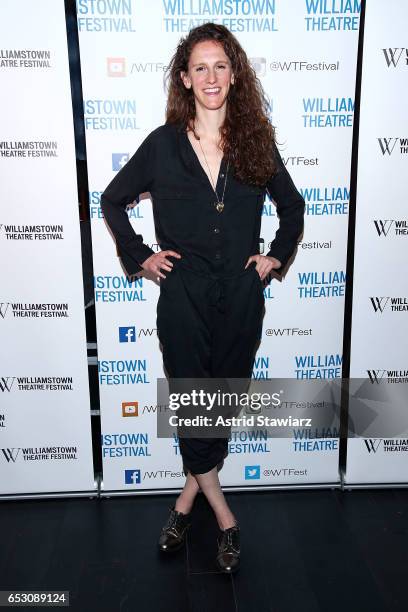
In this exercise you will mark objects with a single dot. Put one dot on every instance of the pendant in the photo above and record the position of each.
(219, 206)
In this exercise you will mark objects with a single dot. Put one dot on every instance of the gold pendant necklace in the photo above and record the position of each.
(219, 204)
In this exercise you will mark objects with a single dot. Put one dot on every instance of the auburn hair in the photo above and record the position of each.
(247, 134)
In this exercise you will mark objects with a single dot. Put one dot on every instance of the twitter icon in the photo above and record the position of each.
(252, 472)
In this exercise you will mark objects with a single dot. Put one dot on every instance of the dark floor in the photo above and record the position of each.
(302, 550)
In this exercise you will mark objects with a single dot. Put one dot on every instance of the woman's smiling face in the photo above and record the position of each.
(209, 74)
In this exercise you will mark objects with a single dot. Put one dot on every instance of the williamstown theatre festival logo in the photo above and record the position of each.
(391, 227)
(105, 16)
(393, 445)
(40, 453)
(32, 232)
(33, 310)
(25, 58)
(6, 383)
(393, 376)
(372, 445)
(36, 383)
(388, 146)
(396, 56)
(393, 304)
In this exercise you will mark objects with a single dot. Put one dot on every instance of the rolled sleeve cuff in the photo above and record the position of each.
(133, 260)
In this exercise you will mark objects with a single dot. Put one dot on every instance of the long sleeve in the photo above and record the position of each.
(290, 207)
(134, 178)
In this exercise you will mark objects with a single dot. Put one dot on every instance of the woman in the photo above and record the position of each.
(207, 170)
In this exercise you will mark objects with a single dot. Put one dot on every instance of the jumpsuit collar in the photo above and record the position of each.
(191, 160)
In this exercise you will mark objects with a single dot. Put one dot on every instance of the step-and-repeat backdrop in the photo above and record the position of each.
(377, 450)
(45, 429)
(304, 52)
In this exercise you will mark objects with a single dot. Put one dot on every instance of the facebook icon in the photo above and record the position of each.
(132, 477)
(127, 334)
(119, 160)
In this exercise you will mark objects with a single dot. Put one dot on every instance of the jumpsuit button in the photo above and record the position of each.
(216, 230)
(218, 256)
(222, 175)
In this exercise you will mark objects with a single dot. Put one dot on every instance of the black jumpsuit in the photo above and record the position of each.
(209, 313)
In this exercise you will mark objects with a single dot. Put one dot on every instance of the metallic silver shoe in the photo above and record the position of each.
(173, 533)
(229, 550)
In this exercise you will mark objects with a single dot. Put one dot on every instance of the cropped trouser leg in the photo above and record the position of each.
(209, 328)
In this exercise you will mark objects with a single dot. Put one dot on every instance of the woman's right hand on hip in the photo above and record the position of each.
(158, 262)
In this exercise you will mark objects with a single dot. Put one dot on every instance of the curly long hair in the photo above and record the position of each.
(247, 135)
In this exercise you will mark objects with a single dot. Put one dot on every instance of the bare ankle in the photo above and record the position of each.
(183, 506)
(226, 522)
